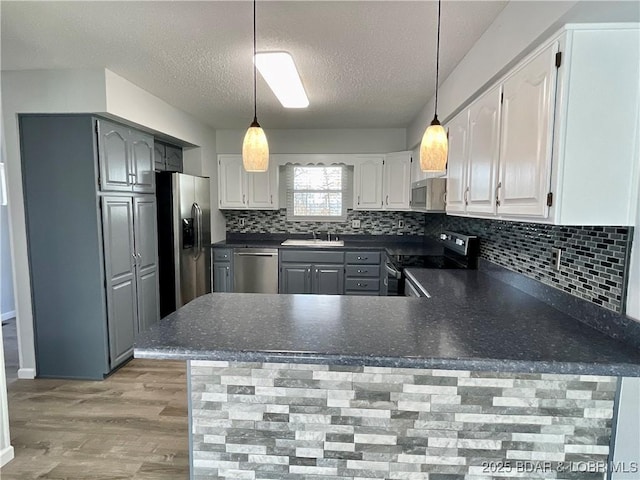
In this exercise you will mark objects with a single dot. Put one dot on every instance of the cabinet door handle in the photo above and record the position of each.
(358, 199)
(466, 196)
(132, 178)
(387, 200)
(243, 198)
(498, 194)
(444, 198)
(271, 199)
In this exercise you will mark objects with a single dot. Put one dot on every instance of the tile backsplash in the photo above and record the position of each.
(593, 262)
(371, 223)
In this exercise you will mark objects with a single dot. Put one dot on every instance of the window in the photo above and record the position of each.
(316, 193)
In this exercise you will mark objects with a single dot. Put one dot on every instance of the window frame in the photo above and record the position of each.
(344, 191)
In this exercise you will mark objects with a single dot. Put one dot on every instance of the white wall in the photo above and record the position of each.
(375, 140)
(84, 91)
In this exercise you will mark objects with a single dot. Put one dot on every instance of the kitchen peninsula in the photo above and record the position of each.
(303, 386)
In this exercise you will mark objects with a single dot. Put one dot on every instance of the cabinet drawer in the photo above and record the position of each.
(222, 254)
(311, 256)
(368, 285)
(370, 293)
(363, 258)
(363, 271)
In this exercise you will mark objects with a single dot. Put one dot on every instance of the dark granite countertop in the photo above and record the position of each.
(392, 244)
(473, 321)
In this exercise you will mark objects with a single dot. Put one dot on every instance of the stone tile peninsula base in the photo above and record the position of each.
(300, 421)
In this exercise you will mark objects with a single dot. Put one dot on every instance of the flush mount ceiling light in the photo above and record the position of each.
(280, 73)
(255, 149)
(434, 146)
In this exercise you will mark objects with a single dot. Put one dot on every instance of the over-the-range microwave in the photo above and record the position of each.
(429, 195)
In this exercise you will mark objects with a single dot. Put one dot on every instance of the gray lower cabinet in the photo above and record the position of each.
(222, 259)
(146, 249)
(364, 273)
(295, 278)
(131, 270)
(120, 270)
(311, 271)
(92, 253)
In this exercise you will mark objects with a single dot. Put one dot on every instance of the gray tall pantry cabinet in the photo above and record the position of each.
(91, 228)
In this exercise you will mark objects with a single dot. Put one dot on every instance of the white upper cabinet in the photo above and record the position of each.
(231, 182)
(262, 191)
(367, 179)
(457, 162)
(555, 140)
(596, 137)
(396, 188)
(526, 136)
(238, 189)
(382, 182)
(484, 134)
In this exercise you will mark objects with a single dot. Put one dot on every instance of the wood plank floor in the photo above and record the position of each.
(133, 425)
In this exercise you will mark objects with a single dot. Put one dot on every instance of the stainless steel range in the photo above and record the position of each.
(460, 251)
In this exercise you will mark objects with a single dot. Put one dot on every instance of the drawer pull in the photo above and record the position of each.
(362, 284)
(363, 271)
(363, 258)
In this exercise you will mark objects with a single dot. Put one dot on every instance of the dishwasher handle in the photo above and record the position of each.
(240, 254)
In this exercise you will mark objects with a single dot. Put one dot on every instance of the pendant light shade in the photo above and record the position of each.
(255, 149)
(435, 145)
(434, 148)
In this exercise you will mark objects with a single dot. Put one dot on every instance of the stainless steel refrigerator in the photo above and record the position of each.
(184, 238)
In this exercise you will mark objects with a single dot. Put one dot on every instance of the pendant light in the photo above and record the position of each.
(434, 146)
(255, 149)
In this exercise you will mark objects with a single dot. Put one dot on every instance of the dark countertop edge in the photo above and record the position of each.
(471, 364)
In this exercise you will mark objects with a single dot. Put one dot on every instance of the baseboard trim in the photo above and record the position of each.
(26, 373)
(7, 315)
(6, 455)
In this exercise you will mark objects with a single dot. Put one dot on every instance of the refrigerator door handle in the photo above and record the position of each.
(198, 227)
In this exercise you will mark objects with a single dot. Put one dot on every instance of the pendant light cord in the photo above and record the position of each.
(255, 96)
(437, 60)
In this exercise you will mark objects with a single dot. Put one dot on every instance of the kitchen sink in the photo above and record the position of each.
(313, 243)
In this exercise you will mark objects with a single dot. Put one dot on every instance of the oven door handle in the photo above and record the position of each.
(392, 271)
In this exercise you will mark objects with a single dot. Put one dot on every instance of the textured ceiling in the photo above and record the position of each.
(363, 64)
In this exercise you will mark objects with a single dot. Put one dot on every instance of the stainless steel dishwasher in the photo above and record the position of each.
(255, 270)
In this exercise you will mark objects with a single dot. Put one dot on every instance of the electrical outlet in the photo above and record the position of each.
(556, 255)
(355, 223)
(400, 223)
(241, 222)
